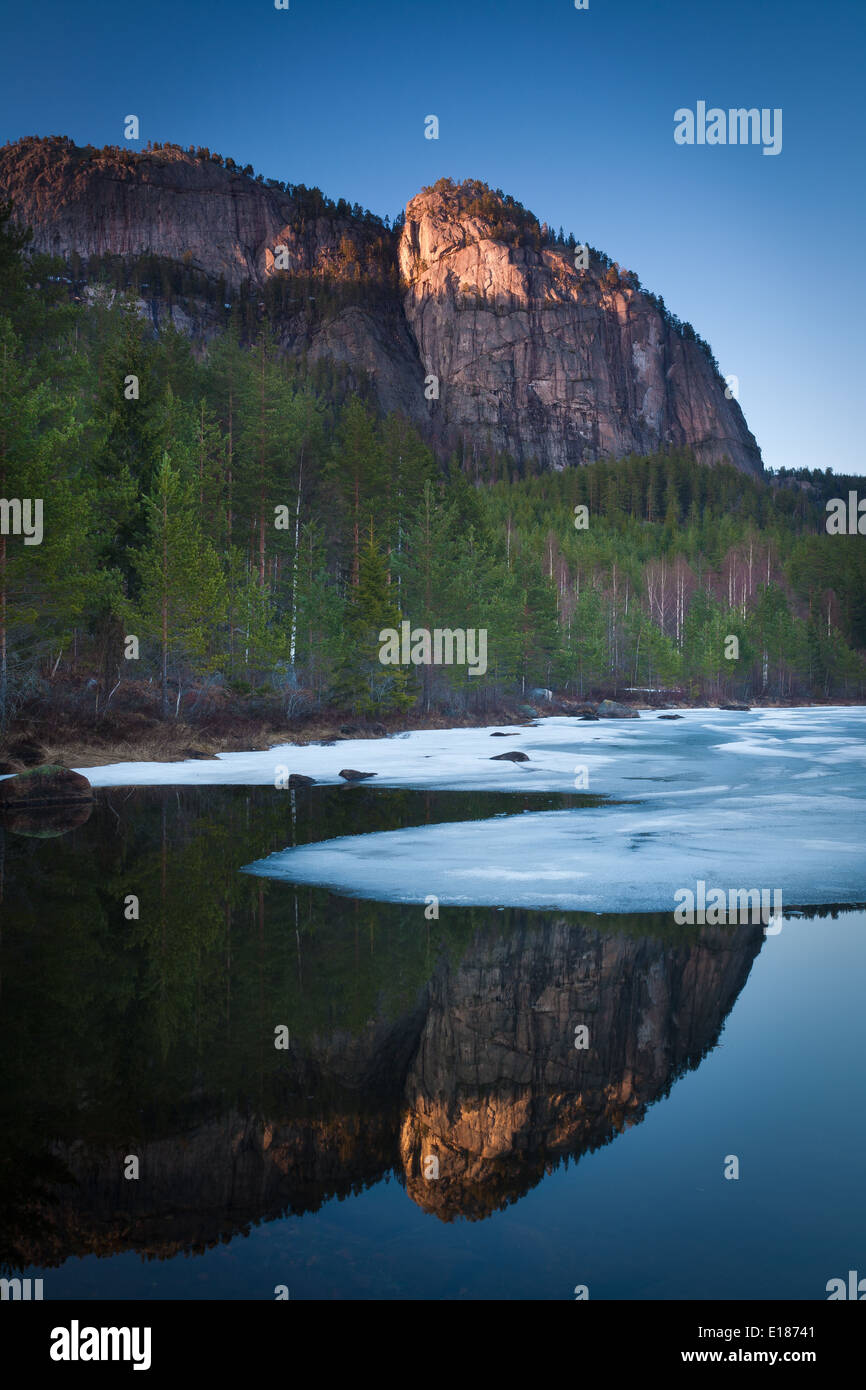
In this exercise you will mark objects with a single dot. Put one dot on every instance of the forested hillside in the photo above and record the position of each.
(233, 522)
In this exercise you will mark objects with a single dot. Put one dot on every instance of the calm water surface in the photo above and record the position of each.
(409, 1040)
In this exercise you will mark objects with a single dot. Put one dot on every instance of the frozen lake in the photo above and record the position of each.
(772, 799)
(286, 1060)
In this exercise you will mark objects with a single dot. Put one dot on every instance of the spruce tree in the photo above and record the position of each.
(363, 681)
(182, 588)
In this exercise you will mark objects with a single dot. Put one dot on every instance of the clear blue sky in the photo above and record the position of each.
(570, 111)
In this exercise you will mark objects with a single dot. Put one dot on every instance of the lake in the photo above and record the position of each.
(346, 1095)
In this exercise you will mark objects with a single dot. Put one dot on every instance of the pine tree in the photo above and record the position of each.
(358, 478)
(182, 587)
(319, 614)
(363, 681)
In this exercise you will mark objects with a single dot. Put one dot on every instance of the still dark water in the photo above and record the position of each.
(408, 1041)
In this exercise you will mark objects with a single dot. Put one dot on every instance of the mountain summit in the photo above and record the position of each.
(469, 317)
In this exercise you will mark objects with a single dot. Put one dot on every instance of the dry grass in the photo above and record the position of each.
(135, 736)
(63, 729)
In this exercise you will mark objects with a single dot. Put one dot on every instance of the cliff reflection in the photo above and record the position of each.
(407, 1039)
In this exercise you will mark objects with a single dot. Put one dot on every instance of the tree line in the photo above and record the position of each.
(225, 517)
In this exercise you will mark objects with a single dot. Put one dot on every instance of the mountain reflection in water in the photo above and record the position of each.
(407, 1038)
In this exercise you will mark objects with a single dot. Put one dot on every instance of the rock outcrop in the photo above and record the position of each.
(552, 363)
(533, 357)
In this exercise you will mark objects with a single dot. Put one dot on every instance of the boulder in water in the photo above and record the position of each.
(49, 785)
(584, 710)
(612, 709)
(46, 822)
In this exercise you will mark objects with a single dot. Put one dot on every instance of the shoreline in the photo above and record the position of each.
(67, 743)
(664, 807)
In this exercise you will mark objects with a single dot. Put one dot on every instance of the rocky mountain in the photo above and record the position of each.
(532, 356)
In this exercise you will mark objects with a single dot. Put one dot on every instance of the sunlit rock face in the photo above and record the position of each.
(532, 357)
(169, 203)
(498, 1091)
(547, 361)
(482, 1074)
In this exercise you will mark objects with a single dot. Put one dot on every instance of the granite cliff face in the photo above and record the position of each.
(551, 364)
(482, 1074)
(168, 202)
(498, 1090)
(227, 226)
